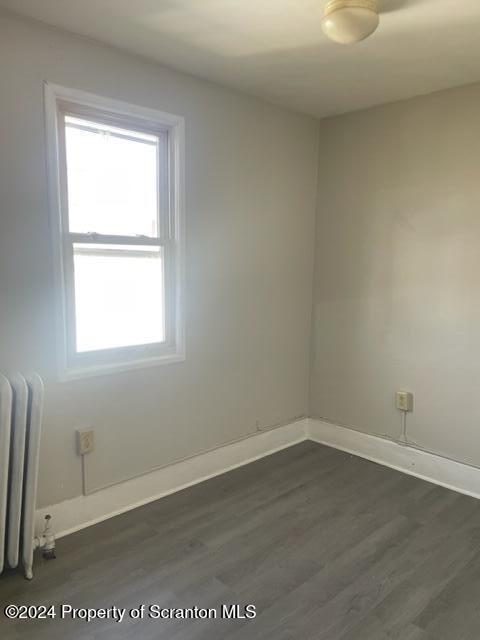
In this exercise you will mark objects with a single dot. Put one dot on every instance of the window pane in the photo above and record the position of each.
(111, 178)
(119, 296)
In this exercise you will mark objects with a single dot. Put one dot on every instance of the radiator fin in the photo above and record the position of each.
(17, 464)
(21, 404)
(5, 430)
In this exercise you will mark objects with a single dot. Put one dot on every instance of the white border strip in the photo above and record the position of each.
(84, 511)
(415, 462)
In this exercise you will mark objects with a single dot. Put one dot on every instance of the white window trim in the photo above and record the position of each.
(128, 358)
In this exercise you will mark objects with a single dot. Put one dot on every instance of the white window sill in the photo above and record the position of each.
(92, 370)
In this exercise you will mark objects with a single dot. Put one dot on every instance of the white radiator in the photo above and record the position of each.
(21, 404)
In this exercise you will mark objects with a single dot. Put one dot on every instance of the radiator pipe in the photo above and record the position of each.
(46, 542)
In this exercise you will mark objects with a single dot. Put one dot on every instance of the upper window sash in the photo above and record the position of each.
(72, 115)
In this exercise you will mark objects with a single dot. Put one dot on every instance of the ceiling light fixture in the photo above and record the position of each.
(349, 21)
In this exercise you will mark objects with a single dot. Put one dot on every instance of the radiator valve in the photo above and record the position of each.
(47, 540)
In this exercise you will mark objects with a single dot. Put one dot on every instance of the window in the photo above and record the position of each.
(116, 197)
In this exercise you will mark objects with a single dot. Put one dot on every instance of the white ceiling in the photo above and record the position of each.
(276, 49)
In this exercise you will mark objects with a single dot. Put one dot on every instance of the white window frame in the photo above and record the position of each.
(72, 364)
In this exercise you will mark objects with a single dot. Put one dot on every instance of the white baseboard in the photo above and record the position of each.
(415, 462)
(84, 511)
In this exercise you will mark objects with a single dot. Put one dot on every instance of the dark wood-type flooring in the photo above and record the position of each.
(326, 545)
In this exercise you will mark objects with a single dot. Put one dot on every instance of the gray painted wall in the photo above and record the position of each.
(251, 185)
(397, 293)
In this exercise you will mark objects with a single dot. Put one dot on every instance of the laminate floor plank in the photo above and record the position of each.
(326, 545)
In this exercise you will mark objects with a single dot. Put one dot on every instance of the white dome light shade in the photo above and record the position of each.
(349, 21)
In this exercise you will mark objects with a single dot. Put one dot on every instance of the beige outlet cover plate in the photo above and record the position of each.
(404, 400)
(85, 441)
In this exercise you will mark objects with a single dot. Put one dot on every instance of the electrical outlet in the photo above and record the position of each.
(404, 400)
(85, 441)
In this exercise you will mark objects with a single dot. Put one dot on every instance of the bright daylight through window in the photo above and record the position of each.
(112, 189)
(120, 233)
